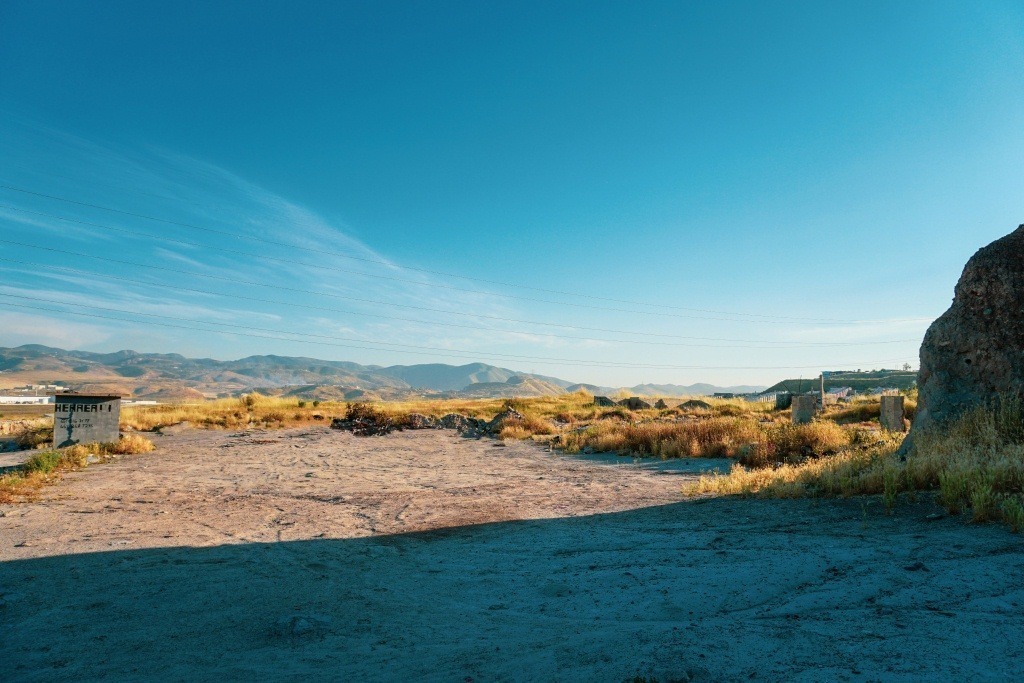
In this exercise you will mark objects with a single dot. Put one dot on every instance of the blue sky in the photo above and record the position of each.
(724, 191)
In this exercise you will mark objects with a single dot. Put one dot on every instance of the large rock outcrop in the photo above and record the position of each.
(974, 352)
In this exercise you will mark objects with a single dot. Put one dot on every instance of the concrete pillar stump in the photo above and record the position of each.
(891, 417)
(804, 408)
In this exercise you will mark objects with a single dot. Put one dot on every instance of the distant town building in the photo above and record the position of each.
(25, 400)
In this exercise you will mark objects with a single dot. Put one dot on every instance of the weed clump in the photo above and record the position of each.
(523, 427)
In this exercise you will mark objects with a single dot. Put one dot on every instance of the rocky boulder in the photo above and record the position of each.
(974, 352)
(498, 422)
(635, 403)
(418, 421)
(457, 422)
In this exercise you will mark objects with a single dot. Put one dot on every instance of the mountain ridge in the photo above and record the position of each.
(145, 375)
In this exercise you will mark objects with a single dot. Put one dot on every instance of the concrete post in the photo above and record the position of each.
(804, 408)
(891, 416)
(783, 399)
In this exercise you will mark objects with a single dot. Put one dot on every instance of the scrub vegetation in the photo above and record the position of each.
(976, 466)
(47, 467)
(754, 433)
(753, 442)
(258, 411)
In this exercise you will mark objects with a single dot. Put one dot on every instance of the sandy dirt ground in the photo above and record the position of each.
(315, 555)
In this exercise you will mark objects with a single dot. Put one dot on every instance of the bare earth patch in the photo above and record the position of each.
(312, 554)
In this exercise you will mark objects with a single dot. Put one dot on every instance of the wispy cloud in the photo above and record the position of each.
(221, 213)
(29, 328)
(65, 230)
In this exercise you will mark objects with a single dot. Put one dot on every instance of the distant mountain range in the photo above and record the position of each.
(171, 377)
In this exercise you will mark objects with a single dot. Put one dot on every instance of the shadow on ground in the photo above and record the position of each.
(712, 590)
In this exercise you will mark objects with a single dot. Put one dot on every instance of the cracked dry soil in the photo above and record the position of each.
(315, 555)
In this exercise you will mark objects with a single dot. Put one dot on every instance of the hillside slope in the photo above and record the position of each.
(159, 376)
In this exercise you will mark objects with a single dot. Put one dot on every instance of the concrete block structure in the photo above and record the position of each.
(86, 418)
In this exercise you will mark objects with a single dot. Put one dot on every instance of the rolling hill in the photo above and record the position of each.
(171, 376)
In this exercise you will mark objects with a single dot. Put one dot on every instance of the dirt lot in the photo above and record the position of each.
(315, 555)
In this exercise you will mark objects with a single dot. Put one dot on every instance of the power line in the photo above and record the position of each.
(792, 345)
(325, 294)
(756, 317)
(120, 188)
(421, 350)
(347, 298)
(335, 269)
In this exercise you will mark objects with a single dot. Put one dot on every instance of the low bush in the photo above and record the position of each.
(42, 463)
(524, 427)
(35, 437)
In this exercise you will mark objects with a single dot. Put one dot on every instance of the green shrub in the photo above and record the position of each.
(43, 463)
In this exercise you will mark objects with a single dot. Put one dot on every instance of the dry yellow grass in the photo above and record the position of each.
(850, 472)
(525, 428)
(864, 409)
(231, 413)
(263, 411)
(976, 465)
(754, 432)
(756, 442)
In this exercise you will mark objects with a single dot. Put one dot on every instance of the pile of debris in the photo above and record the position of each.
(476, 428)
(363, 420)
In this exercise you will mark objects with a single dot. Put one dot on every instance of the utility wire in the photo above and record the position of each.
(759, 316)
(335, 269)
(370, 301)
(423, 350)
(791, 345)
(112, 186)
(306, 291)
